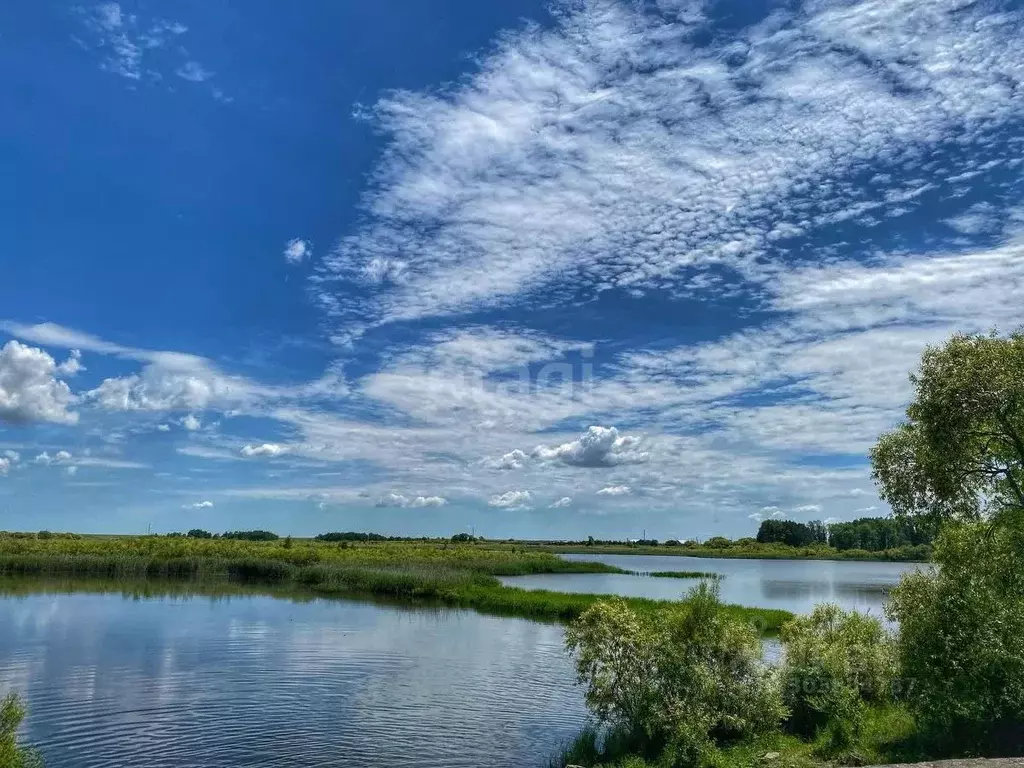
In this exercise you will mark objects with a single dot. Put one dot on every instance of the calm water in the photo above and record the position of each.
(258, 681)
(793, 585)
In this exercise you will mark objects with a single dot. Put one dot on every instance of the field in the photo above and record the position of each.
(432, 573)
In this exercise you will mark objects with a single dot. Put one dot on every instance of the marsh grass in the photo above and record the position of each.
(682, 574)
(461, 576)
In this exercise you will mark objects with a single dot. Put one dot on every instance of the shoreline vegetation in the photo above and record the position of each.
(457, 575)
(741, 552)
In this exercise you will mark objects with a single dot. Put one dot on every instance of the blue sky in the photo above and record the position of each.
(546, 270)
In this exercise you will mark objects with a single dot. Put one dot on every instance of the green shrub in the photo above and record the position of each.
(961, 639)
(835, 661)
(11, 754)
(684, 681)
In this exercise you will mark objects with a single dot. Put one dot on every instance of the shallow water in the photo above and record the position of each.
(258, 681)
(792, 585)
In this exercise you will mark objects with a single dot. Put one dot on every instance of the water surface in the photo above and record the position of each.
(196, 682)
(792, 585)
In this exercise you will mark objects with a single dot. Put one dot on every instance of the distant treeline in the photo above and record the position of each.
(871, 534)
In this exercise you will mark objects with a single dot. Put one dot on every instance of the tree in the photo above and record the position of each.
(199, 533)
(785, 532)
(961, 639)
(960, 453)
(687, 679)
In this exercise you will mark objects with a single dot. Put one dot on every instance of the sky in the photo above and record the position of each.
(592, 267)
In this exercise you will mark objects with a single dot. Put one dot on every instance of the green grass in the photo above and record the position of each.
(742, 552)
(682, 574)
(888, 736)
(461, 576)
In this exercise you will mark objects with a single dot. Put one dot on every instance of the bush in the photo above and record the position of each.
(835, 662)
(685, 680)
(12, 755)
(961, 639)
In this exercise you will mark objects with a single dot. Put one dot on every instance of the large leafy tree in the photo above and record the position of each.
(960, 453)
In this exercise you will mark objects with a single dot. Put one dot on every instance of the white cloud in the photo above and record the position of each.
(163, 427)
(515, 459)
(126, 41)
(5, 466)
(297, 250)
(511, 500)
(615, 490)
(562, 503)
(72, 470)
(61, 457)
(266, 449)
(806, 508)
(191, 423)
(72, 365)
(194, 72)
(527, 171)
(30, 389)
(598, 447)
(410, 502)
(199, 505)
(174, 380)
(13, 456)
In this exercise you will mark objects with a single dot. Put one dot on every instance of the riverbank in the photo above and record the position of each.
(743, 552)
(460, 576)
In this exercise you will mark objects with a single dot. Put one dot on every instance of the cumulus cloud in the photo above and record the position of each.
(297, 250)
(13, 456)
(72, 365)
(563, 502)
(615, 490)
(410, 502)
(45, 459)
(598, 447)
(512, 460)
(5, 466)
(511, 500)
(199, 505)
(265, 449)
(71, 471)
(192, 423)
(163, 427)
(30, 388)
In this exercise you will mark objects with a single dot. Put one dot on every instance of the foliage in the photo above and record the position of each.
(960, 453)
(686, 679)
(250, 535)
(835, 663)
(791, 533)
(350, 536)
(457, 575)
(199, 533)
(875, 534)
(685, 575)
(11, 754)
(961, 639)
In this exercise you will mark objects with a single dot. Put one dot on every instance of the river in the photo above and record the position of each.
(256, 680)
(792, 585)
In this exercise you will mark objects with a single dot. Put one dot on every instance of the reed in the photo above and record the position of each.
(460, 576)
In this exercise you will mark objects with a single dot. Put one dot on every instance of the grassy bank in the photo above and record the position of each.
(743, 552)
(889, 736)
(463, 576)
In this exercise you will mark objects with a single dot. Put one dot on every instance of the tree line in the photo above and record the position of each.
(871, 534)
